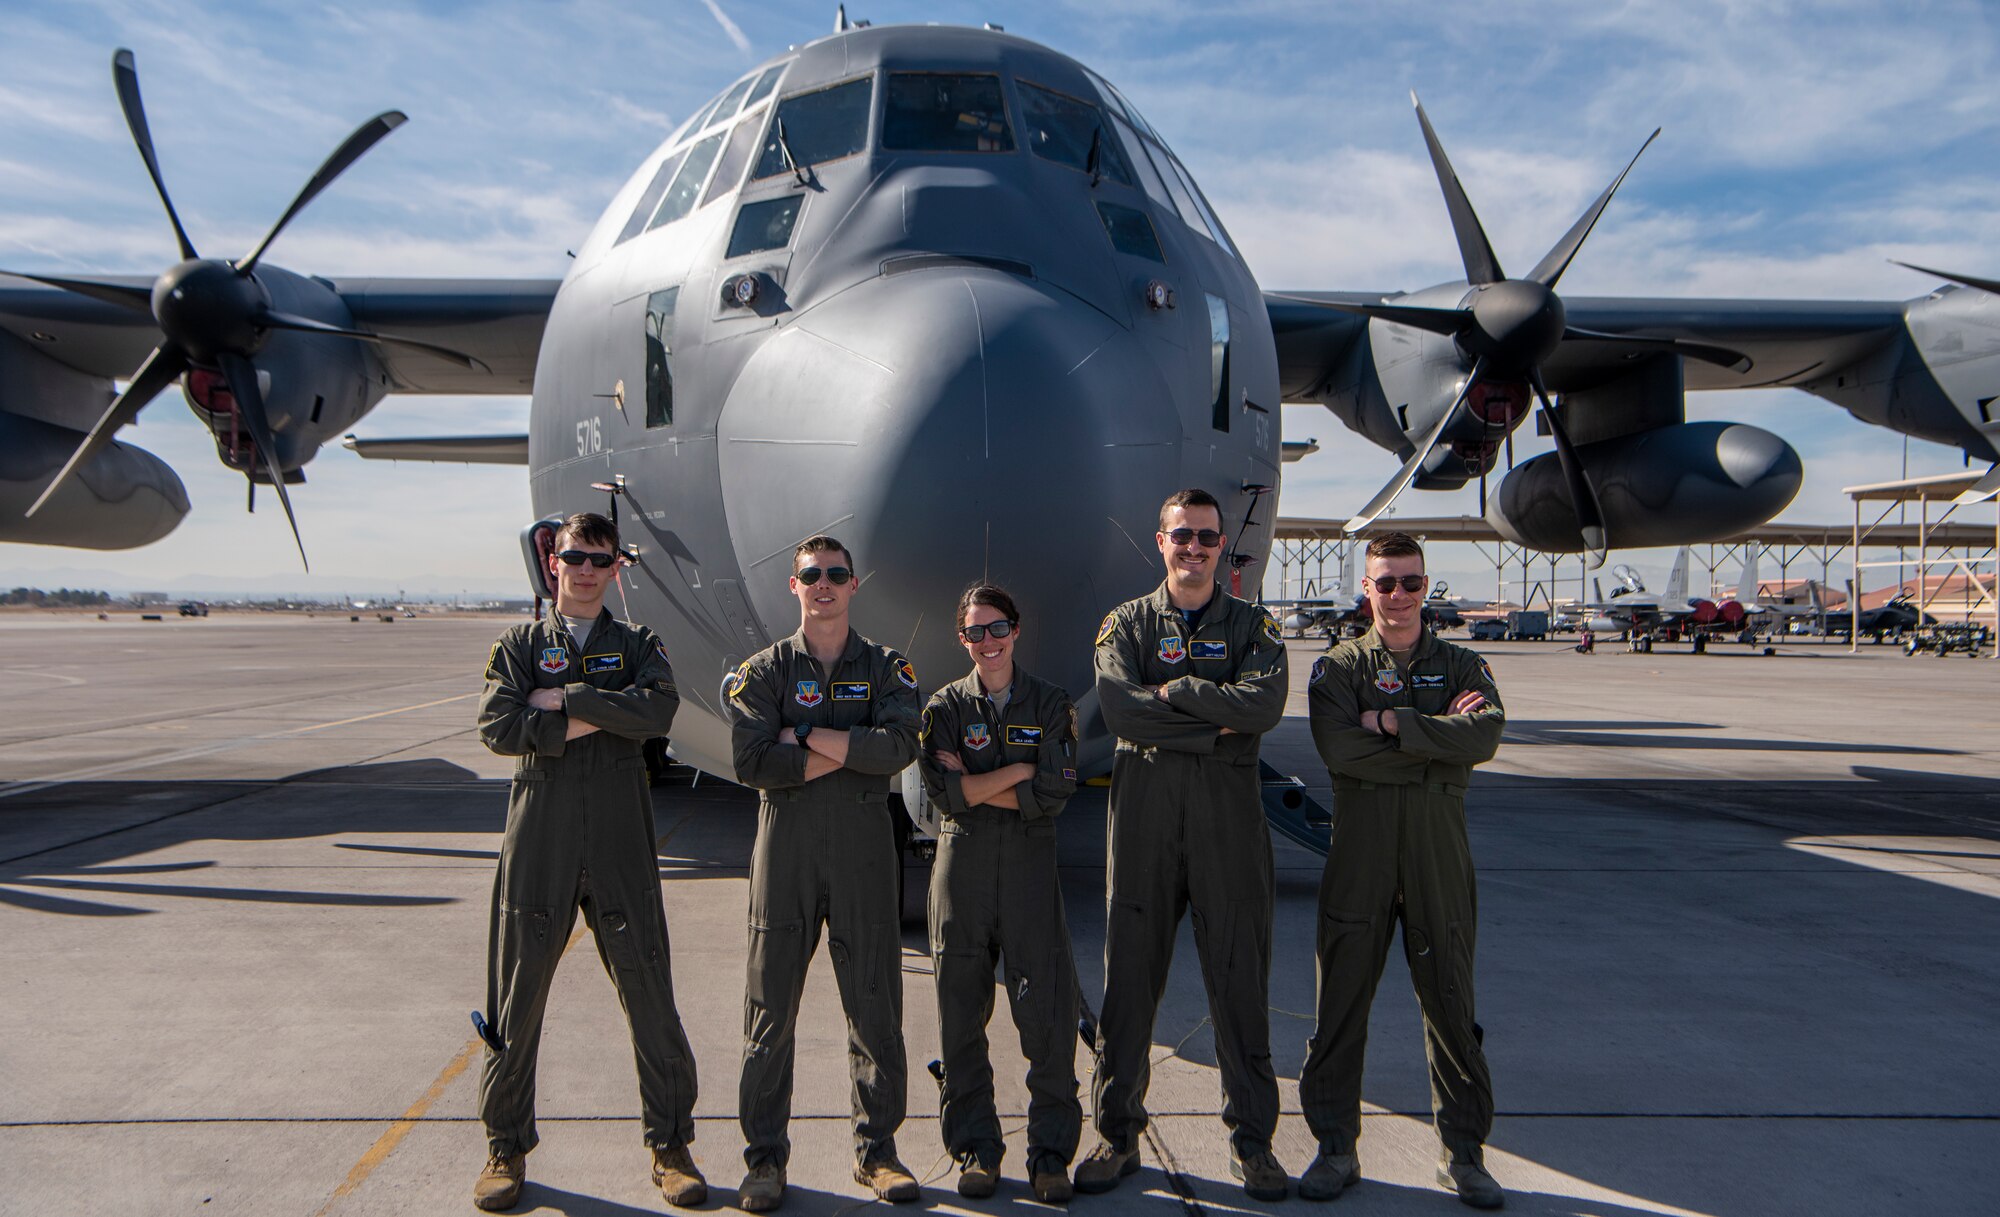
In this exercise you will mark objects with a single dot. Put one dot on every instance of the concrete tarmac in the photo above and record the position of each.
(1737, 945)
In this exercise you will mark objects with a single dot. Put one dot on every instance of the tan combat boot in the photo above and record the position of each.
(763, 1189)
(678, 1178)
(1104, 1166)
(889, 1179)
(499, 1185)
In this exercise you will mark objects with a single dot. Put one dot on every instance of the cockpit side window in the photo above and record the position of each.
(650, 200)
(1208, 220)
(687, 183)
(1065, 130)
(1131, 232)
(659, 357)
(943, 112)
(817, 127)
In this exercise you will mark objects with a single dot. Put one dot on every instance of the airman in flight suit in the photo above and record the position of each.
(1189, 678)
(821, 722)
(999, 762)
(1400, 717)
(577, 711)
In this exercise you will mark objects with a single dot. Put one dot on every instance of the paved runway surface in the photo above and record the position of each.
(1737, 952)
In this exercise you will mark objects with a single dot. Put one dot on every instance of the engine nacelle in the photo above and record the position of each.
(122, 498)
(1673, 485)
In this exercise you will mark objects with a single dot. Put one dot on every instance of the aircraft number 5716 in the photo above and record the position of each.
(589, 436)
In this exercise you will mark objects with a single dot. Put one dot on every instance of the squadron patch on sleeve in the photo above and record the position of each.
(493, 663)
(1487, 671)
(906, 673)
(732, 684)
(661, 649)
(1319, 669)
(1271, 630)
(1105, 627)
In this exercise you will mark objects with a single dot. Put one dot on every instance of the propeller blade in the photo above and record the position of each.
(1557, 260)
(242, 377)
(1722, 357)
(1445, 321)
(1582, 497)
(1984, 285)
(1408, 473)
(364, 137)
(272, 320)
(125, 77)
(1981, 490)
(124, 295)
(1481, 266)
(161, 369)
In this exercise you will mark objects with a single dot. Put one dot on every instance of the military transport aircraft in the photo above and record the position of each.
(947, 294)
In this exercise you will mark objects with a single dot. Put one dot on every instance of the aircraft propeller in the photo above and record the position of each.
(213, 313)
(1509, 328)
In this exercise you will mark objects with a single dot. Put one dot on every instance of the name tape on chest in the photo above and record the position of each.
(1206, 648)
(593, 664)
(1029, 737)
(850, 690)
(1427, 680)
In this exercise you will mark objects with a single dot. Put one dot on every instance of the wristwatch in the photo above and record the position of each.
(800, 732)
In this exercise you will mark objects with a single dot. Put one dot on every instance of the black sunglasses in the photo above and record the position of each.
(809, 575)
(577, 557)
(1208, 537)
(978, 633)
(1387, 583)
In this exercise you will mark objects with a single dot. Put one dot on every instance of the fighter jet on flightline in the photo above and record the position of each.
(946, 294)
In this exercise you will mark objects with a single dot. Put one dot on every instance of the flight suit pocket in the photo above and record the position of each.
(528, 922)
(1455, 970)
(776, 965)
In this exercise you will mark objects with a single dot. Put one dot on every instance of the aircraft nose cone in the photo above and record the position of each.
(967, 425)
(1518, 324)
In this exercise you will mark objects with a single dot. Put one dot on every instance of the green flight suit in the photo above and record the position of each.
(825, 855)
(994, 895)
(580, 835)
(1398, 852)
(1188, 832)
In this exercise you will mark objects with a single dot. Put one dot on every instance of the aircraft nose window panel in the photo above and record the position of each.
(1218, 361)
(734, 157)
(1131, 232)
(1062, 129)
(821, 126)
(765, 83)
(650, 200)
(763, 225)
(1208, 220)
(687, 183)
(939, 112)
(1149, 177)
(726, 108)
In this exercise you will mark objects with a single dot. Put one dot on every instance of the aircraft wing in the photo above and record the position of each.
(1788, 342)
(496, 321)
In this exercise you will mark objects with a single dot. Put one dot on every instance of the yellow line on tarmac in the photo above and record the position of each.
(362, 718)
(386, 1144)
(391, 1137)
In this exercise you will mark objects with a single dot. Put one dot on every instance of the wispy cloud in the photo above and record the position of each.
(728, 27)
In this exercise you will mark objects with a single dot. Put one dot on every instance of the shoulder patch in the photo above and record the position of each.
(906, 673)
(493, 663)
(1105, 627)
(732, 684)
(1270, 626)
(660, 648)
(1320, 666)
(1487, 671)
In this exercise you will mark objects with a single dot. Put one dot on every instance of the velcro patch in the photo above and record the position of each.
(976, 736)
(1319, 669)
(1069, 775)
(906, 673)
(1172, 649)
(1028, 736)
(732, 684)
(554, 659)
(1422, 680)
(1202, 648)
(1271, 630)
(493, 663)
(850, 690)
(808, 693)
(603, 663)
(1105, 627)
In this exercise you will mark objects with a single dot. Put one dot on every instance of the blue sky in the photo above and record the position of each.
(1803, 146)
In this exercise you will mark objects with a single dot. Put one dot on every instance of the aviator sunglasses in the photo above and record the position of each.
(1208, 537)
(577, 557)
(1387, 583)
(978, 633)
(809, 575)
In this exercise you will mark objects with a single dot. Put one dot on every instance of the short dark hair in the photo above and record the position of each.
(1395, 545)
(589, 528)
(1194, 496)
(820, 543)
(988, 595)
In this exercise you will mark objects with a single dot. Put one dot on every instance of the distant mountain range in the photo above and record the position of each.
(297, 584)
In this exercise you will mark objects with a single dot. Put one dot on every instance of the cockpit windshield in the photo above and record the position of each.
(1071, 132)
(941, 112)
(814, 128)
